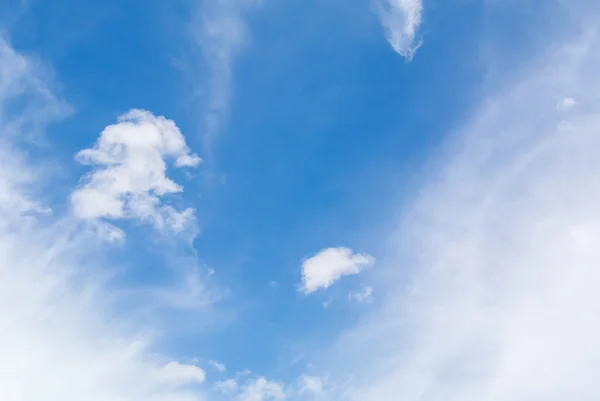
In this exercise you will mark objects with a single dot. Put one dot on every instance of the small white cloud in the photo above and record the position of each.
(566, 104)
(227, 386)
(129, 173)
(401, 20)
(262, 389)
(310, 385)
(218, 366)
(364, 295)
(329, 265)
(176, 374)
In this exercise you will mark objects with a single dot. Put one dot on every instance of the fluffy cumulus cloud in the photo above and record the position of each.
(401, 20)
(129, 174)
(504, 251)
(60, 339)
(329, 265)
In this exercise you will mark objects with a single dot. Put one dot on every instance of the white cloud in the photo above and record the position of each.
(60, 338)
(401, 20)
(23, 80)
(364, 295)
(219, 367)
(261, 389)
(329, 265)
(129, 176)
(566, 104)
(502, 247)
(221, 33)
(226, 386)
(177, 374)
(310, 385)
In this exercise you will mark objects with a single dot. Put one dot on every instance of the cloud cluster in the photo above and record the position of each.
(262, 389)
(329, 265)
(130, 173)
(401, 20)
(60, 338)
(503, 248)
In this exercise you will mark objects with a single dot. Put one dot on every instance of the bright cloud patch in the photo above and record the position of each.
(401, 20)
(177, 374)
(130, 172)
(329, 265)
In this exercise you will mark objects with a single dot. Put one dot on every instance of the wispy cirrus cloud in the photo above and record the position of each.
(220, 31)
(401, 20)
(502, 249)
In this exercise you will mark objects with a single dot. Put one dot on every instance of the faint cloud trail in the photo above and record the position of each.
(220, 31)
(401, 20)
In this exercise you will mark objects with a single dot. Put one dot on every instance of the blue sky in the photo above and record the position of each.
(265, 200)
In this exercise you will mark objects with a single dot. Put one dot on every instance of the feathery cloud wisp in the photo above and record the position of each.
(364, 295)
(221, 33)
(401, 20)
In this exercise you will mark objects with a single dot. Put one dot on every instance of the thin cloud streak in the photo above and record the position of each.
(401, 20)
(220, 31)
